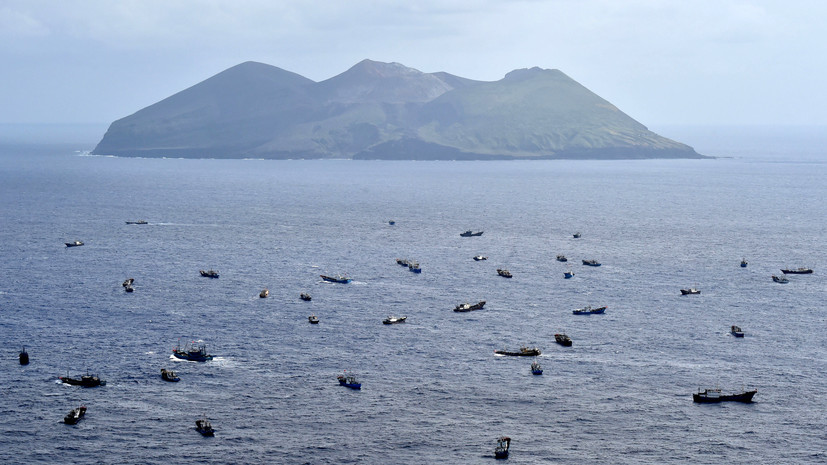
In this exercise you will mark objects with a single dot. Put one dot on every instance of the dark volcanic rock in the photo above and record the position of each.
(385, 111)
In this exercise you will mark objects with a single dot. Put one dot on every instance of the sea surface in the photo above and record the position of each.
(432, 389)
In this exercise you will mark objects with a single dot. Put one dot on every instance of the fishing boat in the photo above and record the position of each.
(523, 352)
(576, 235)
(137, 222)
(305, 297)
(73, 244)
(562, 339)
(501, 451)
(797, 271)
(736, 331)
(588, 310)
(780, 279)
(209, 273)
(709, 396)
(169, 375)
(192, 352)
(591, 262)
(471, 234)
(414, 267)
(394, 319)
(24, 357)
(568, 274)
(744, 263)
(349, 381)
(75, 415)
(562, 258)
(480, 258)
(86, 380)
(264, 293)
(336, 279)
(504, 273)
(391, 222)
(313, 319)
(690, 291)
(536, 369)
(466, 307)
(203, 426)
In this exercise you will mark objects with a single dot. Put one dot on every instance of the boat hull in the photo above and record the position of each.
(702, 398)
(332, 279)
(799, 271)
(522, 353)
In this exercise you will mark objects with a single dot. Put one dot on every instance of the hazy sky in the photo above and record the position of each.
(702, 62)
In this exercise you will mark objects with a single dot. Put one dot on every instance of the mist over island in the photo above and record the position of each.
(388, 111)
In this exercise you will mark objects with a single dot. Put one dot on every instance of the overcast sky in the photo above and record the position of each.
(663, 62)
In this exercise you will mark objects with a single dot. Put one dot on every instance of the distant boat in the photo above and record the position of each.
(129, 289)
(264, 293)
(744, 263)
(503, 444)
(690, 291)
(414, 267)
(169, 375)
(523, 352)
(709, 396)
(588, 310)
(86, 380)
(336, 279)
(562, 258)
(568, 274)
(536, 369)
(562, 339)
(576, 235)
(466, 307)
(736, 331)
(192, 352)
(349, 381)
(204, 427)
(24, 357)
(394, 319)
(137, 222)
(471, 234)
(504, 273)
(796, 271)
(780, 279)
(73, 244)
(591, 262)
(313, 319)
(209, 274)
(480, 258)
(305, 297)
(391, 222)
(75, 415)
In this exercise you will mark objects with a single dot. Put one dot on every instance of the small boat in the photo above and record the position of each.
(710, 396)
(73, 244)
(73, 417)
(576, 235)
(568, 274)
(313, 319)
(562, 339)
(305, 297)
(169, 375)
(129, 289)
(414, 267)
(690, 291)
(264, 293)
(501, 451)
(504, 273)
(192, 352)
(128, 282)
(137, 222)
(591, 262)
(736, 331)
(336, 279)
(536, 369)
(86, 380)
(391, 222)
(588, 310)
(562, 258)
(349, 381)
(790, 271)
(471, 234)
(780, 279)
(480, 258)
(744, 263)
(523, 352)
(203, 426)
(394, 319)
(466, 307)
(402, 262)
(24, 357)
(209, 274)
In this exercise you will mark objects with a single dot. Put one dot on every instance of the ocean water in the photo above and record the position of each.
(433, 390)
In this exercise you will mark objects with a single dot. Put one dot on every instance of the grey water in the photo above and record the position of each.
(432, 389)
